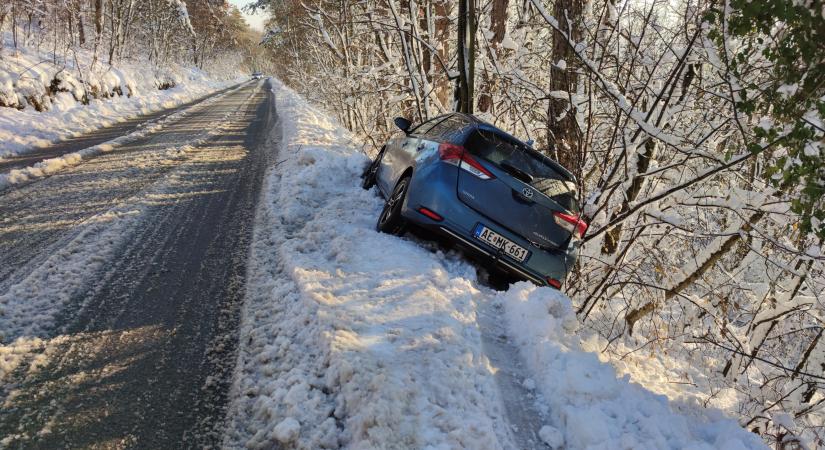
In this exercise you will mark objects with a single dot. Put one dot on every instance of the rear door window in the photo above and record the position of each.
(425, 127)
(451, 129)
(503, 152)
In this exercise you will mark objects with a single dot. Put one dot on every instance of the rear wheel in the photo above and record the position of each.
(371, 172)
(390, 221)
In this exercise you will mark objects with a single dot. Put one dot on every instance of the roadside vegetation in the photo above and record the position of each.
(99, 49)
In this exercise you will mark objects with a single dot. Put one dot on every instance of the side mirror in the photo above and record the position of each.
(403, 124)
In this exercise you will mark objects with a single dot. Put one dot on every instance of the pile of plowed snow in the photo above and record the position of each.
(42, 102)
(351, 338)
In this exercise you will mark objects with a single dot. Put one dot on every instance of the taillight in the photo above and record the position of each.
(458, 156)
(554, 282)
(574, 224)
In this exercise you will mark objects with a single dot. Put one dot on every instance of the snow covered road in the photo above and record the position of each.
(120, 284)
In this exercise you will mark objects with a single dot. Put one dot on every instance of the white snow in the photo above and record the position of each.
(561, 64)
(593, 407)
(372, 341)
(551, 436)
(287, 431)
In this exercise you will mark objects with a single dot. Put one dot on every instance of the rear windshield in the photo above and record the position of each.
(546, 179)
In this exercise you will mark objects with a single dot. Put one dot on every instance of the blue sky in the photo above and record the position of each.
(256, 21)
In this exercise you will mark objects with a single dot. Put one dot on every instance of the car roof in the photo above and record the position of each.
(486, 126)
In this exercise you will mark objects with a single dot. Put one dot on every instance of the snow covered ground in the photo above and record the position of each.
(127, 91)
(363, 340)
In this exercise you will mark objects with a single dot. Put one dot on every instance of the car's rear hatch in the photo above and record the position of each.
(528, 189)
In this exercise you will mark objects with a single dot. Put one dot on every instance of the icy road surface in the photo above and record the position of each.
(121, 280)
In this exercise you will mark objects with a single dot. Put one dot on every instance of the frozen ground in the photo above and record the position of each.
(351, 338)
(130, 90)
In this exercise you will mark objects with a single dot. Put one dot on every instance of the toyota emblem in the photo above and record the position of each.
(527, 192)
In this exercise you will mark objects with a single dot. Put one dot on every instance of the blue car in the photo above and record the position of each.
(483, 189)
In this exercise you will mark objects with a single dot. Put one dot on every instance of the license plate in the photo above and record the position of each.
(507, 246)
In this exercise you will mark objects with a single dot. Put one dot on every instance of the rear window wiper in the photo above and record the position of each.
(516, 172)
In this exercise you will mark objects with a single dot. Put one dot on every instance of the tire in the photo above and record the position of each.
(391, 221)
(371, 172)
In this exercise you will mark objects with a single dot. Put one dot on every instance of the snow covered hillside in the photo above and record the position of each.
(363, 340)
(42, 102)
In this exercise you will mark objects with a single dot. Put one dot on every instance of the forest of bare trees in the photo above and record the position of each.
(695, 130)
(208, 34)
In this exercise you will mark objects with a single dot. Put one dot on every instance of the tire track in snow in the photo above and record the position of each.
(523, 415)
(523, 411)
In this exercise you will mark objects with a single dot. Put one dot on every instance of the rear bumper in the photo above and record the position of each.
(434, 187)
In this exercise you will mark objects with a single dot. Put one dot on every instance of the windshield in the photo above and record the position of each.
(546, 179)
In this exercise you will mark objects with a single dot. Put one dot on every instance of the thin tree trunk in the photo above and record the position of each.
(98, 30)
(466, 55)
(442, 41)
(563, 134)
(498, 26)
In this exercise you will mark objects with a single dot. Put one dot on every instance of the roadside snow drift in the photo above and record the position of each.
(356, 339)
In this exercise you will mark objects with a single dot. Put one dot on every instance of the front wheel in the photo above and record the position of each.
(391, 221)
(369, 176)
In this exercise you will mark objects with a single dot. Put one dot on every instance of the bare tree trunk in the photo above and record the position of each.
(81, 31)
(14, 25)
(612, 236)
(498, 25)
(466, 54)
(563, 134)
(98, 30)
(441, 39)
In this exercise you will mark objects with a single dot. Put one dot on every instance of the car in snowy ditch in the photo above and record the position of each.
(483, 189)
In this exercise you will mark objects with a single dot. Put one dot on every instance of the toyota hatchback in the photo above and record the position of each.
(492, 194)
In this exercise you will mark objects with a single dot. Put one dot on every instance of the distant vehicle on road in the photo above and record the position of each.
(257, 75)
(476, 185)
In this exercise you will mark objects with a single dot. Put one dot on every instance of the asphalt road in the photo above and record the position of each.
(136, 349)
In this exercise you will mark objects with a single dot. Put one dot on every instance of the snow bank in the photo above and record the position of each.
(358, 339)
(31, 81)
(590, 406)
